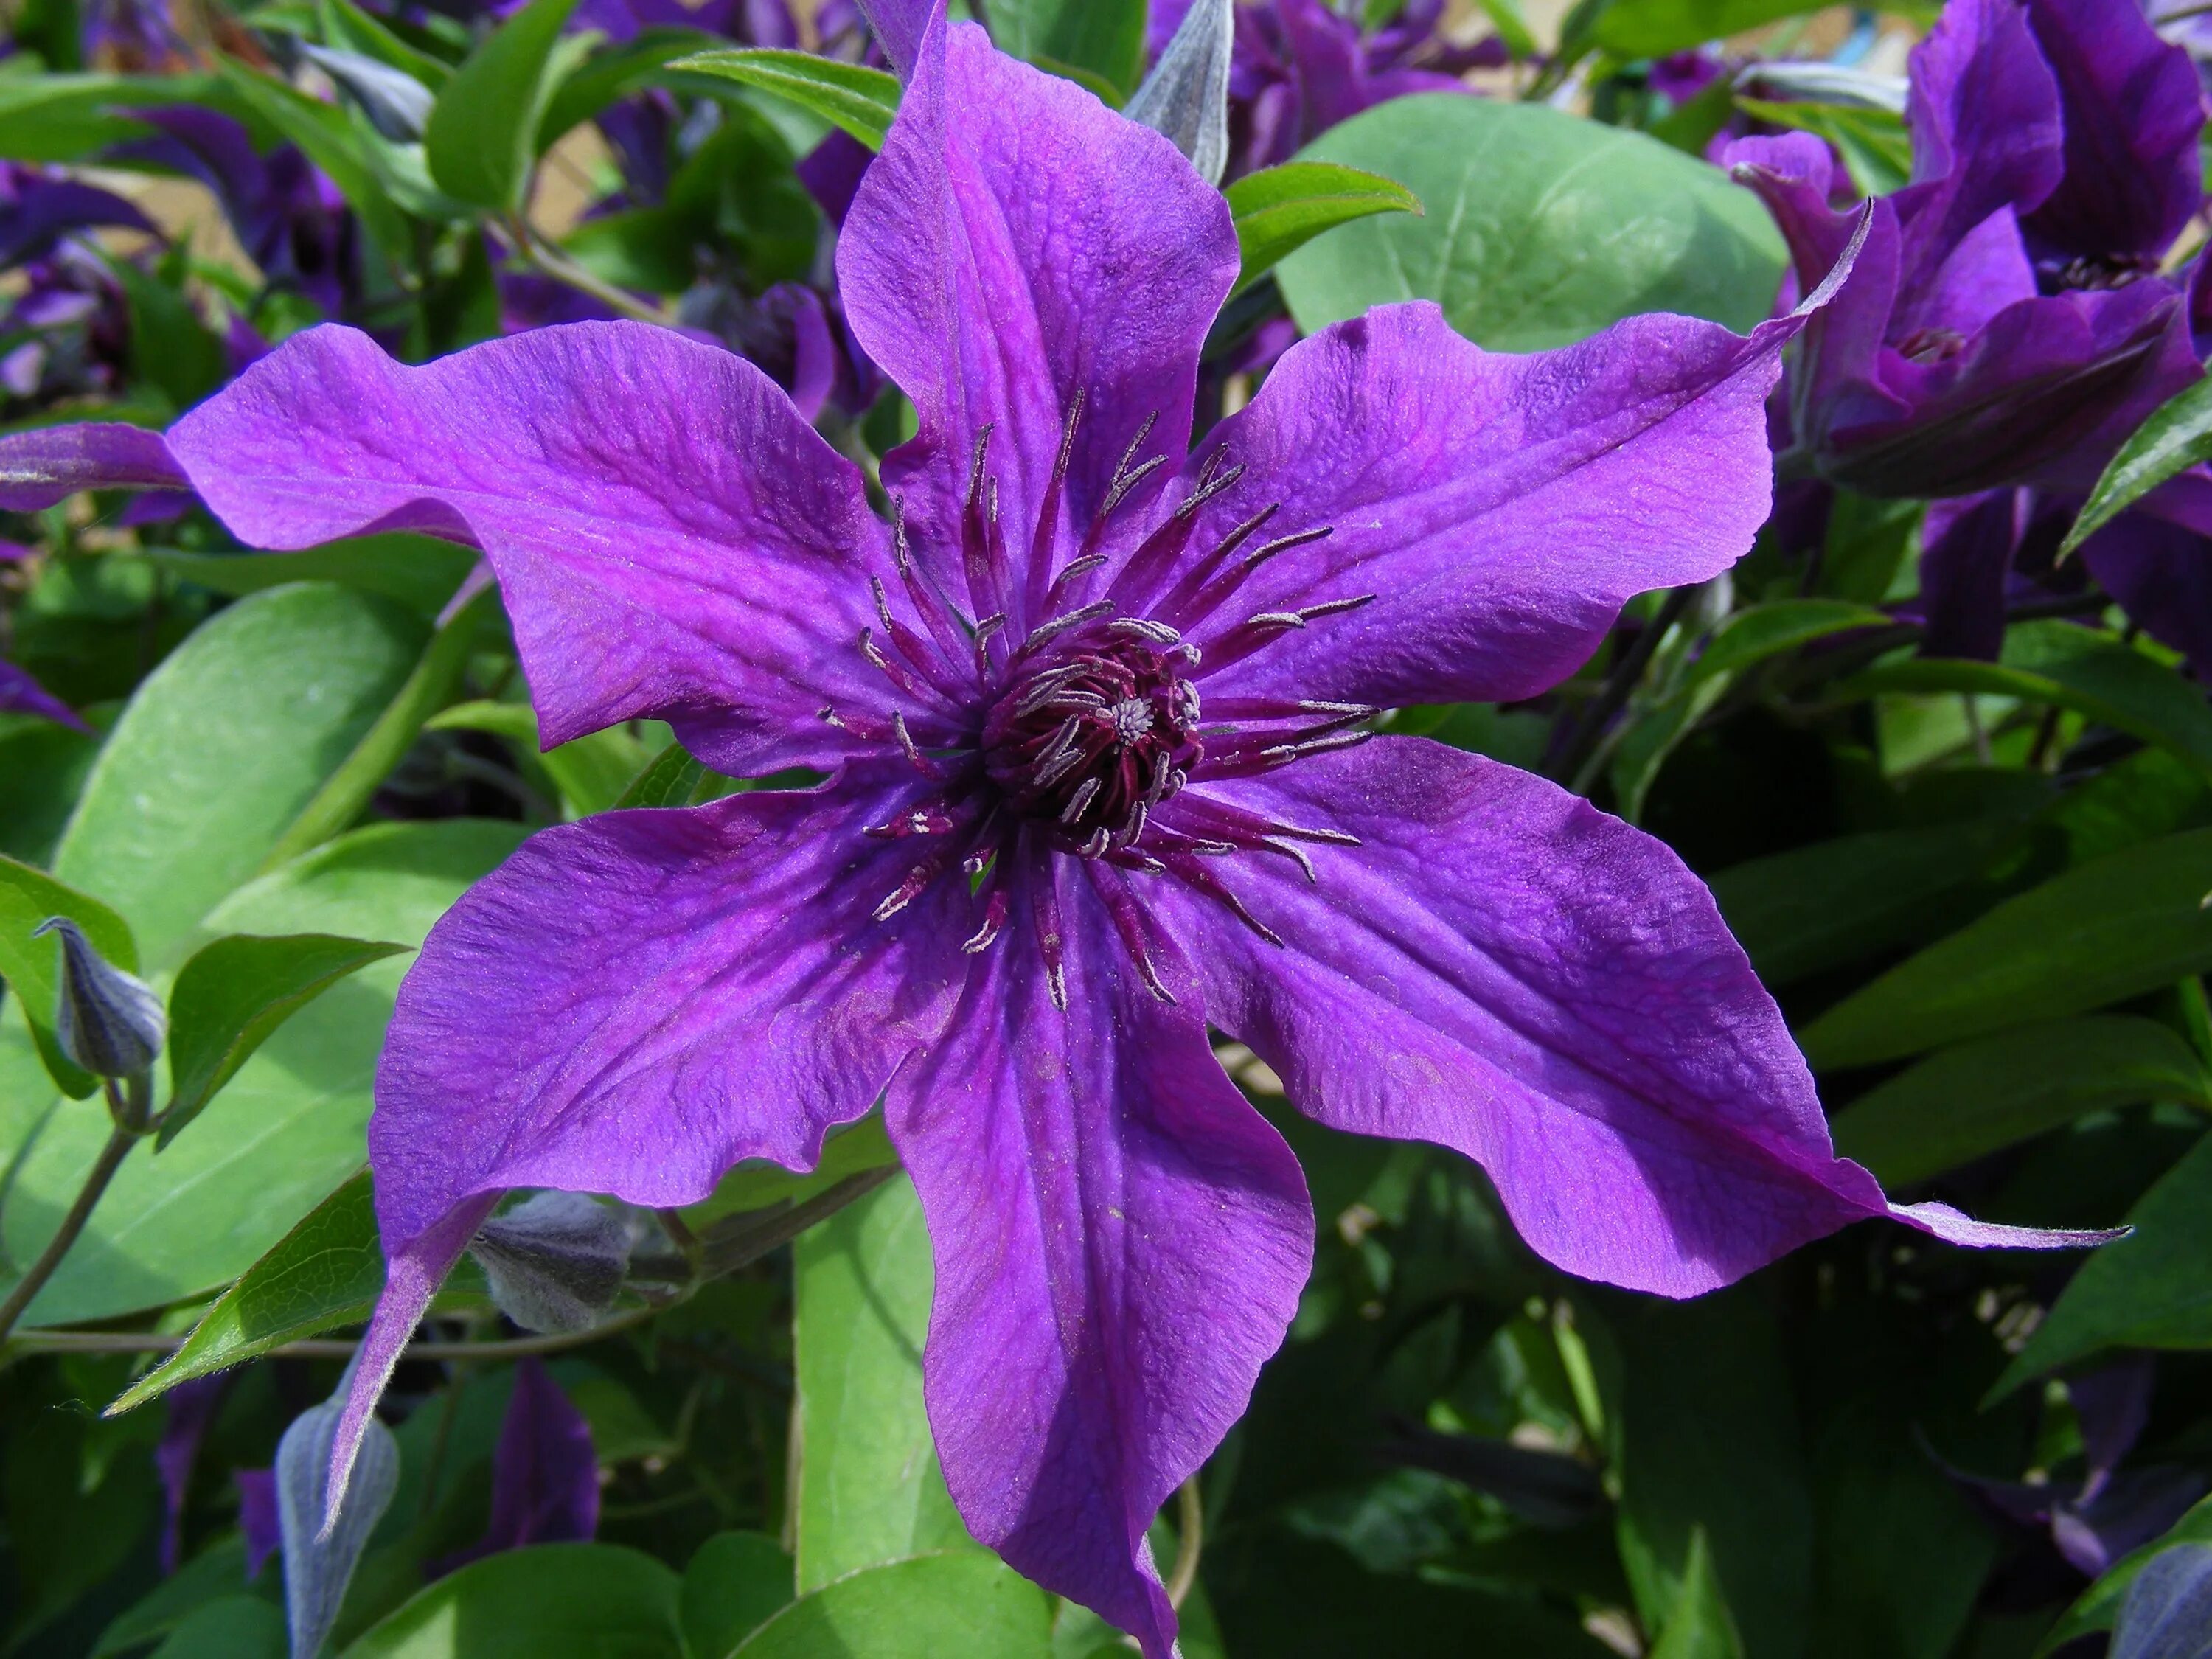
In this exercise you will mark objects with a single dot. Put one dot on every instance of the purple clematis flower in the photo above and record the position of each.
(1091, 713)
(545, 1475)
(2005, 323)
(1303, 66)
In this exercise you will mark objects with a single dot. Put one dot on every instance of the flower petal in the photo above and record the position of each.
(21, 695)
(1503, 969)
(1018, 245)
(49, 464)
(671, 539)
(1502, 507)
(1120, 1242)
(633, 1003)
(2161, 572)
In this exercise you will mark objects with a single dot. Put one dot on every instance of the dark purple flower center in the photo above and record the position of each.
(2092, 273)
(1931, 345)
(1068, 735)
(1091, 744)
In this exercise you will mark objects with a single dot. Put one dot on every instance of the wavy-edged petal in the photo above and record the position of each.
(1015, 247)
(633, 1003)
(1119, 1241)
(50, 464)
(671, 539)
(1503, 969)
(1501, 508)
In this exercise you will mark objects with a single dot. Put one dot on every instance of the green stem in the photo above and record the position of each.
(561, 268)
(103, 1171)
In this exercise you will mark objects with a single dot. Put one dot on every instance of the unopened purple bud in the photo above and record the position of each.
(106, 1021)
(320, 1555)
(1186, 97)
(555, 1261)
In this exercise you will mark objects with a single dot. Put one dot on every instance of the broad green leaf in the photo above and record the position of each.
(65, 118)
(1803, 912)
(43, 768)
(1653, 28)
(592, 772)
(1699, 1627)
(222, 747)
(236, 1627)
(2177, 436)
(232, 996)
(1541, 227)
(2072, 668)
(2150, 1290)
(332, 142)
(869, 1489)
(345, 793)
(1710, 1444)
(1968, 1101)
(31, 966)
(483, 137)
(2125, 925)
(552, 1601)
(736, 1583)
(612, 74)
(2100, 1605)
(213, 1575)
(420, 572)
(863, 101)
(1104, 37)
(668, 779)
(287, 1130)
(324, 1272)
(963, 1601)
(1279, 210)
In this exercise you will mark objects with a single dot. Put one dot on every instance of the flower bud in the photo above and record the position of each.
(556, 1260)
(1186, 95)
(106, 1021)
(397, 105)
(321, 1554)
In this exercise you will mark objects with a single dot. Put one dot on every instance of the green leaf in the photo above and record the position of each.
(330, 141)
(1760, 632)
(326, 1272)
(1968, 1101)
(345, 793)
(483, 136)
(736, 1583)
(43, 768)
(420, 572)
(1800, 912)
(213, 1575)
(30, 966)
(2069, 666)
(65, 118)
(2111, 930)
(670, 778)
(1653, 28)
(171, 349)
(1105, 38)
(863, 101)
(224, 744)
(1874, 144)
(1542, 227)
(612, 74)
(1710, 1444)
(1279, 210)
(1699, 1627)
(963, 1601)
(2177, 436)
(2150, 1290)
(231, 998)
(592, 772)
(551, 1602)
(236, 1627)
(2099, 1608)
(287, 1131)
(346, 25)
(757, 1183)
(869, 1488)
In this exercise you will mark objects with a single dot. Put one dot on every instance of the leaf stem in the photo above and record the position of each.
(1613, 695)
(1190, 1514)
(35, 1278)
(553, 263)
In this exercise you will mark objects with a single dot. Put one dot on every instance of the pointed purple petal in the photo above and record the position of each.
(1120, 1242)
(1503, 969)
(51, 463)
(1017, 245)
(671, 539)
(545, 1472)
(2133, 111)
(899, 25)
(1502, 509)
(2161, 574)
(1941, 1221)
(21, 695)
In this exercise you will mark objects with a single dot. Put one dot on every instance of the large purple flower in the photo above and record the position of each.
(2005, 323)
(1092, 711)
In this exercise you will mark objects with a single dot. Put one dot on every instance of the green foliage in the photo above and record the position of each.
(482, 137)
(1104, 38)
(1541, 227)
(862, 102)
(1652, 28)
(30, 966)
(1279, 210)
(2177, 436)
(735, 1584)
(417, 571)
(556, 1602)
(960, 1601)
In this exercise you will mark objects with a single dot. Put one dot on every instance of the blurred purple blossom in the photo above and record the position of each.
(544, 1473)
